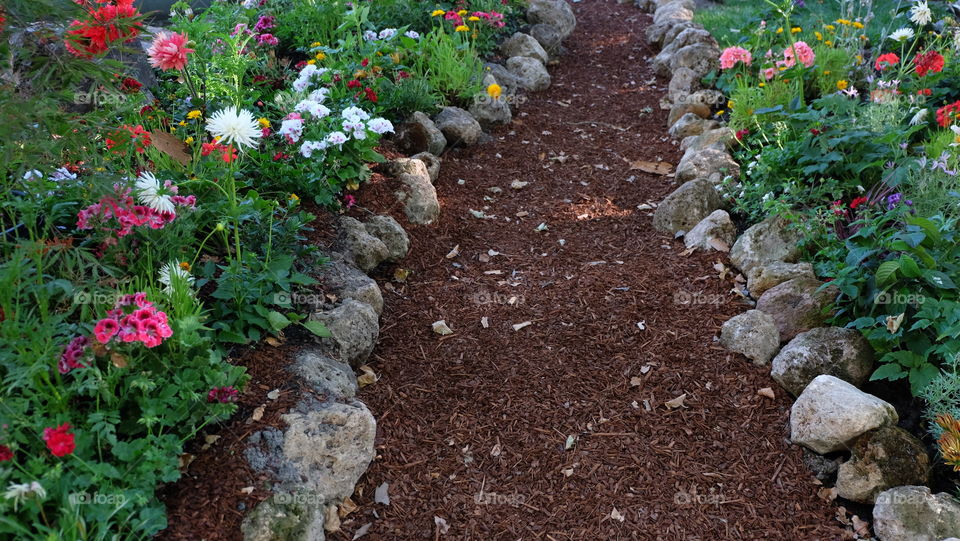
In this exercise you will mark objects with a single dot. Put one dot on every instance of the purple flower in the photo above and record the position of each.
(266, 22)
(893, 200)
(799, 3)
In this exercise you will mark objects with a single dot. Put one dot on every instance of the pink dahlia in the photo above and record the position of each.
(169, 51)
(731, 55)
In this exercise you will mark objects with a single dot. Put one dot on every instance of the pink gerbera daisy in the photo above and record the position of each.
(169, 51)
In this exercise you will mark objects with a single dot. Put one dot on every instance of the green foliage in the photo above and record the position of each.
(450, 64)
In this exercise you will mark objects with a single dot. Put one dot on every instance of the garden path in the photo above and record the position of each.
(473, 426)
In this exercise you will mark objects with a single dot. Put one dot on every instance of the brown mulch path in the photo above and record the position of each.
(473, 426)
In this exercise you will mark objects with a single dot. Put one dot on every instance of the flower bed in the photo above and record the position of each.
(153, 217)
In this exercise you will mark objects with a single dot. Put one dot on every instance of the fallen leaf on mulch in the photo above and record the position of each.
(636, 381)
(209, 440)
(676, 402)
(571, 441)
(721, 268)
(440, 327)
(274, 394)
(331, 522)
(642, 324)
(401, 275)
(827, 494)
(519, 184)
(442, 526)
(860, 527)
(362, 531)
(382, 494)
(719, 245)
(497, 449)
(542, 227)
(368, 377)
(569, 471)
(519, 326)
(348, 506)
(657, 168)
(616, 515)
(272, 341)
(484, 322)
(184, 461)
(246, 490)
(257, 414)
(454, 253)
(767, 392)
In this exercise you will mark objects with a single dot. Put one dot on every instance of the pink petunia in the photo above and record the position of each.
(731, 55)
(169, 51)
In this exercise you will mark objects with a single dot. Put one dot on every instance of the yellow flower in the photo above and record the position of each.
(462, 12)
(473, 18)
(194, 114)
(828, 43)
(720, 112)
(320, 56)
(353, 186)
(188, 140)
(859, 59)
(395, 57)
(830, 27)
(311, 61)
(762, 85)
(863, 37)
(294, 197)
(185, 265)
(796, 30)
(819, 36)
(780, 30)
(182, 123)
(100, 169)
(843, 21)
(172, 129)
(376, 70)
(438, 12)
(826, 72)
(842, 84)
(359, 74)
(315, 44)
(494, 91)
(264, 122)
(858, 25)
(729, 104)
(462, 28)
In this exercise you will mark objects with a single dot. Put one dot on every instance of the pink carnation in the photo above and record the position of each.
(731, 55)
(803, 53)
(169, 51)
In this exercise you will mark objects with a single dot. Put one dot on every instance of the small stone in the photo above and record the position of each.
(458, 126)
(354, 329)
(715, 232)
(391, 233)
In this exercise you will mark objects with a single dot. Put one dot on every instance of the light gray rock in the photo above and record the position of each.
(679, 110)
(823, 468)
(341, 278)
(432, 162)
(675, 30)
(325, 375)
(549, 38)
(357, 246)
(391, 234)
(284, 517)
(836, 351)
(686, 206)
(830, 414)
(753, 335)
(763, 277)
(531, 74)
(520, 44)
(770, 240)
(683, 83)
(715, 232)
(690, 125)
(556, 13)
(420, 134)
(354, 327)
(490, 111)
(798, 305)
(704, 163)
(509, 83)
(721, 138)
(912, 513)
(882, 459)
(458, 126)
(419, 197)
(688, 36)
(700, 57)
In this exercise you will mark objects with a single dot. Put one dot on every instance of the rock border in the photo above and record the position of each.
(822, 366)
(327, 445)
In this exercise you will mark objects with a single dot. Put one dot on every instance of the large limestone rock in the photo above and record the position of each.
(911, 513)
(679, 110)
(358, 246)
(509, 83)
(458, 126)
(703, 163)
(325, 375)
(345, 281)
(715, 232)
(763, 277)
(549, 38)
(520, 44)
(720, 138)
(687, 206)
(432, 162)
(420, 134)
(687, 36)
(531, 74)
(839, 352)
(830, 414)
(354, 329)
(556, 13)
(883, 458)
(700, 57)
(798, 305)
(391, 234)
(490, 111)
(666, 16)
(683, 83)
(752, 334)
(691, 124)
(416, 191)
(770, 240)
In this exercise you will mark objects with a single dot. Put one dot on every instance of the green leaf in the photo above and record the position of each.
(886, 272)
(939, 279)
(889, 371)
(909, 267)
(921, 377)
(278, 321)
(317, 328)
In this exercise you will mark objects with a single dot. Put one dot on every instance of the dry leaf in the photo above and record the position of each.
(274, 394)
(209, 440)
(171, 146)
(401, 275)
(616, 515)
(721, 268)
(718, 245)
(497, 449)
(519, 184)
(893, 323)
(767, 392)
(860, 527)
(657, 168)
(118, 360)
(484, 258)
(827, 494)
(484, 322)
(348, 506)
(636, 381)
(676, 402)
(569, 471)
(441, 328)
(185, 460)
(454, 253)
(382, 494)
(362, 531)
(246, 490)
(331, 520)
(257, 414)
(442, 526)
(519, 326)
(272, 341)
(368, 377)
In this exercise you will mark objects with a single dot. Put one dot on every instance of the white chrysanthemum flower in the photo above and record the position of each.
(920, 117)
(380, 126)
(167, 273)
(956, 135)
(233, 125)
(19, 492)
(902, 34)
(412, 34)
(150, 192)
(920, 14)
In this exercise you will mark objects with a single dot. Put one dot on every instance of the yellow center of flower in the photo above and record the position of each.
(321, 55)
(185, 265)
(462, 12)
(189, 140)
(473, 18)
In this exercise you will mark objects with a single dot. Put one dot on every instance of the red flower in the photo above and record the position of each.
(857, 202)
(112, 21)
(948, 113)
(222, 395)
(924, 92)
(365, 62)
(928, 62)
(229, 153)
(402, 75)
(742, 133)
(60, 442)
(885, 61)
(169, 51)
(354, 84)
(815, 131)
(5, 453)
(371, 95)
(130, 85)
(280, 156)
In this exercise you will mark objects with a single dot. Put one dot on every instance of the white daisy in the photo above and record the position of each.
(956, 135)
(920, 117)
(167, 273)
(902, 34)
(18, 493)
(920, 14)
(233, 125)
(151, 193)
